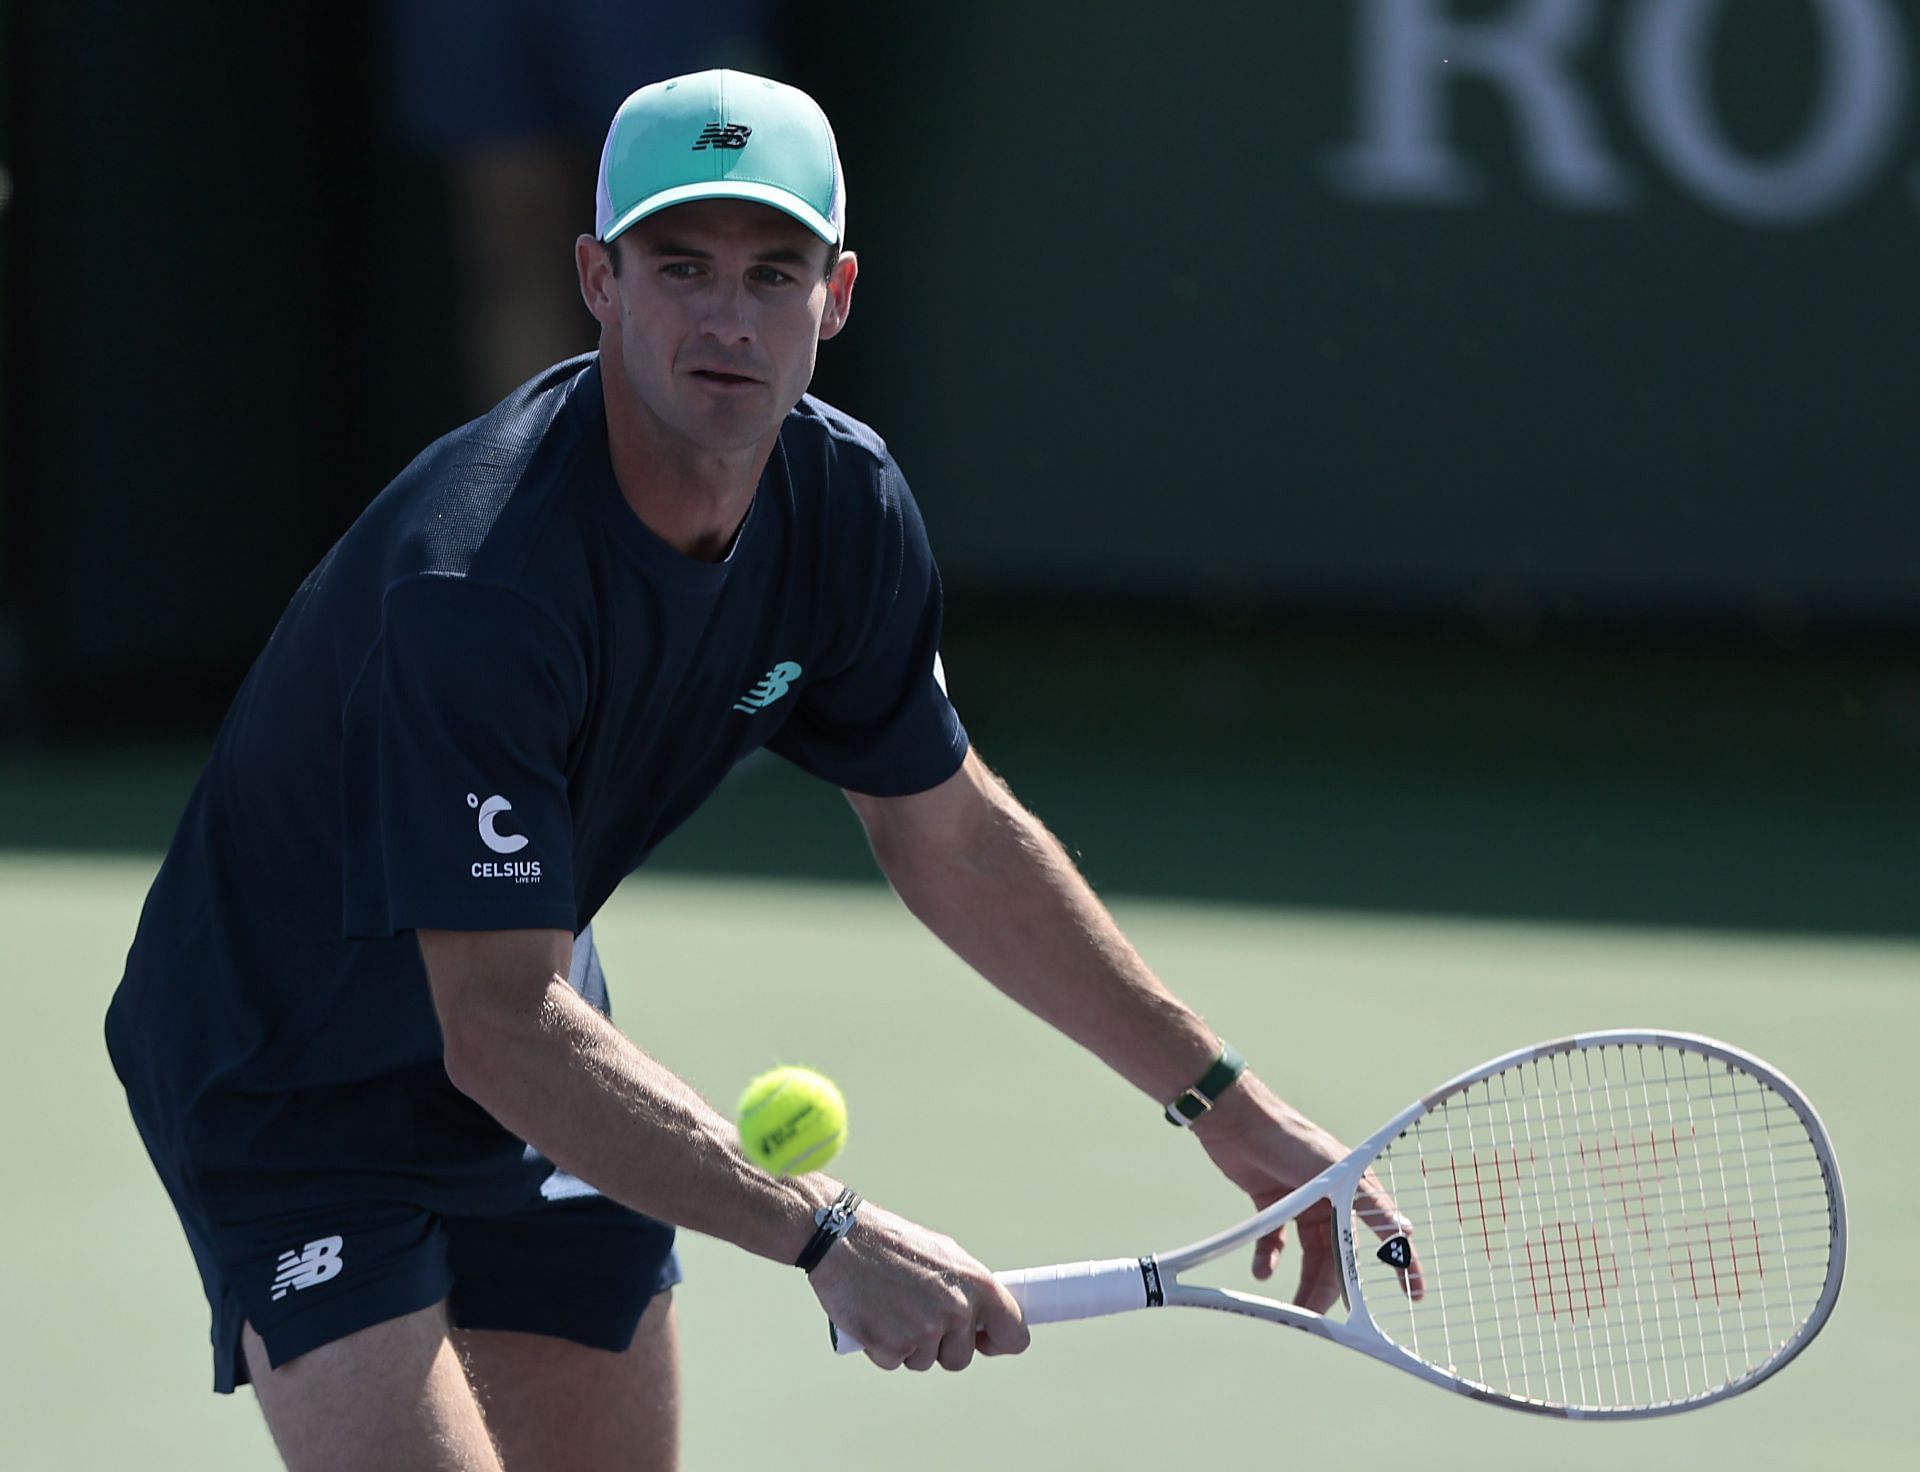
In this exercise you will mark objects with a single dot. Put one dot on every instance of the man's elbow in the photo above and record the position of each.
(490, 989)
(477, 1043)
(465, 1057)
(958, 822)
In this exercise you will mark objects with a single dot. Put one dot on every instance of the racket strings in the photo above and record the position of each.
(1627, 1225)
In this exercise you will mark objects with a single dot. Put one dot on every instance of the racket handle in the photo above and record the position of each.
(1070, 1290)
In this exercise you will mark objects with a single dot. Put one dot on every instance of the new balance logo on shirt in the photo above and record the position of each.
(314, 1263)
(775, 683)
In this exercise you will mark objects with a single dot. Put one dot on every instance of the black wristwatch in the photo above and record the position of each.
(1202, 1096)
(830, 1224)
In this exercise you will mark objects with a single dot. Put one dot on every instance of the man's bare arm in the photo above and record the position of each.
(986, 876)
(524, 1046)
(538, 1058)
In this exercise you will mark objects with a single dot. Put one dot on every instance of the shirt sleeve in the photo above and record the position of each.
(454, 776)
(879, 721)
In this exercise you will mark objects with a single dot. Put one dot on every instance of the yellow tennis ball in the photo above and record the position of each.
(792, 1120)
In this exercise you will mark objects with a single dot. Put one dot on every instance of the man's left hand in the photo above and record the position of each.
(1269, 1149)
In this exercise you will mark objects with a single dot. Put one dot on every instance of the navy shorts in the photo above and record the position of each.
(581, 1268)
(308, 1252)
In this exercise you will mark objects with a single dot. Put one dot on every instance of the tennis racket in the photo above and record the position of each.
(1615, 1225)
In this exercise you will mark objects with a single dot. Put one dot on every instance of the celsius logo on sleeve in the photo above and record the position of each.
(493, 807)
(521, 871)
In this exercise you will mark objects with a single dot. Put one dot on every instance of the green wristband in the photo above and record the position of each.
(1202, 1096)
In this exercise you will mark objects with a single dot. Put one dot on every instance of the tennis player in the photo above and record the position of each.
(431, 1190)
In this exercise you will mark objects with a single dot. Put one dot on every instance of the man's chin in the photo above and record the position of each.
(741, 423)
(730, 435)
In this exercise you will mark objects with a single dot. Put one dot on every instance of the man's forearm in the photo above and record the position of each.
(568, 1082)
(1004, 896)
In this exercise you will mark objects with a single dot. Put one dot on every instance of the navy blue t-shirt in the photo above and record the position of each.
(485, 707)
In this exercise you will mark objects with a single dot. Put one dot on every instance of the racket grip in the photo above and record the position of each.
(1070, 1290)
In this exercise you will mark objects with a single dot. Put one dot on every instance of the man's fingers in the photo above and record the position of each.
(1266, 1252)
(985, 1346)
(1377, 1209)
(1001, 1325)
(1413, 1279)
(1319, 1286)
(1319, 1272)
(957, 1349)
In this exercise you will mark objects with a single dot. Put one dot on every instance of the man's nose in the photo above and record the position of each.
(728, 315)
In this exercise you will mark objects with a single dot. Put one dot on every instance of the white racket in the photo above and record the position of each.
(1615, 1225)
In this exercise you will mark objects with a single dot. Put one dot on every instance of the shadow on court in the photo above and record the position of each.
(1689, 782)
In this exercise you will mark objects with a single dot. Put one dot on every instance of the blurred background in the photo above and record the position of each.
(1392, 461)
(1435, 453)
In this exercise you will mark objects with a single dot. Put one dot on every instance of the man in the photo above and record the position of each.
(363, 1024)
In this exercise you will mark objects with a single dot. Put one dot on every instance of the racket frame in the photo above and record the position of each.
(1093, 1289)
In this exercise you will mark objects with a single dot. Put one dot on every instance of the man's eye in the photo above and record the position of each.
(768, 276)
(679, 270)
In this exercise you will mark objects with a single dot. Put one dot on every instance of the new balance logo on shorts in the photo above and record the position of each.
(775, 683)
(314, 1263)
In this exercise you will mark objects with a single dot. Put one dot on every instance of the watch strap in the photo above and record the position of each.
(830, 1224)
(1201, 1096)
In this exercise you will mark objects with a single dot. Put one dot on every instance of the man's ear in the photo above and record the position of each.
(594, 262)
(839, 294)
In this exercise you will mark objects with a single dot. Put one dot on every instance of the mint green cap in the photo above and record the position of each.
(721, 135)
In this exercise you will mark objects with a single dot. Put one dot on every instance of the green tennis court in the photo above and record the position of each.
(1022, 1148)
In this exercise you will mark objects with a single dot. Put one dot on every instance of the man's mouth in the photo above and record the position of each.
(722, 377)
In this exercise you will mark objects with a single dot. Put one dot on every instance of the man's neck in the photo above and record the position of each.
(693, 500)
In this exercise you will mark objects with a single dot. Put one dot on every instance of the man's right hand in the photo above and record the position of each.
(913, 1297)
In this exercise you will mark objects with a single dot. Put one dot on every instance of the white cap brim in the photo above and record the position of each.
(768, 194)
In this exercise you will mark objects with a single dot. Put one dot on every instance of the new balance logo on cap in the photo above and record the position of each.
(724, 135)
(775, 683)
(314, 1263)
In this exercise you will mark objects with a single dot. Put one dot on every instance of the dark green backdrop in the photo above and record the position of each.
(1132, 323)
(1517, 312)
